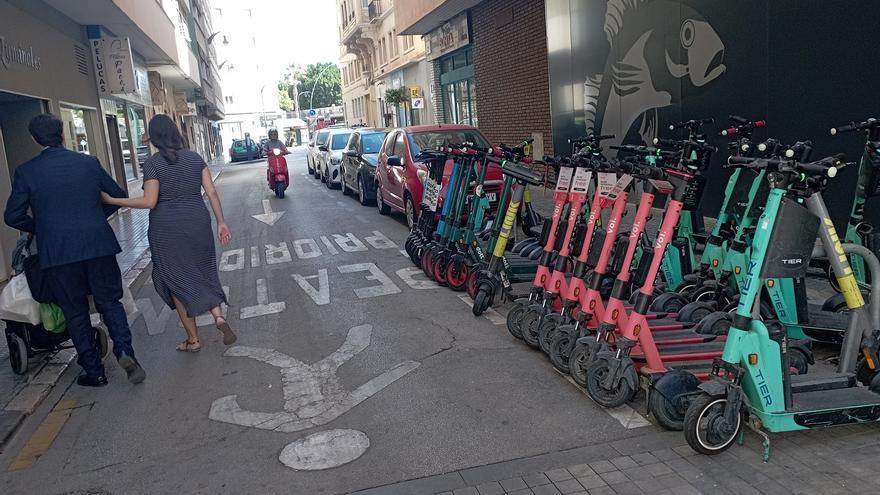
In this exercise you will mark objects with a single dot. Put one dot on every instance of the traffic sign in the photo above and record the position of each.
(312, 113)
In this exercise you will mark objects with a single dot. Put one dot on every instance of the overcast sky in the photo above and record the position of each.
(307, 32)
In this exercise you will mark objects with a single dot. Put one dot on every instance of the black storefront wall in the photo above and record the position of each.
(803, 65)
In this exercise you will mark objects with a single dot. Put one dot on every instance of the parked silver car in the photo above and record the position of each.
(330, 157)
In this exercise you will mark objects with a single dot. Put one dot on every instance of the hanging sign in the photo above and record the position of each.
(114, 66)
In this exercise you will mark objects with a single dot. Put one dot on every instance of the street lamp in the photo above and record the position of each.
(263, 107)
(312, 95)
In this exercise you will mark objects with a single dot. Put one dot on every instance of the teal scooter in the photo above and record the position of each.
(750, 384)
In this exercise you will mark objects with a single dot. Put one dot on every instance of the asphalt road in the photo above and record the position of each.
(344, 354)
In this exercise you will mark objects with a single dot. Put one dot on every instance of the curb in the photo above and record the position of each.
(43, 378)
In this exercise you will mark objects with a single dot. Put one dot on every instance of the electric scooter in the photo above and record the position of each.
(423, 230)
(445, 247)
(442, 231)
(489, 281)
(276, 173)
(750, 384)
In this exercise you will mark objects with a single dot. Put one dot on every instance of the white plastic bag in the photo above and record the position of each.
(16, 303)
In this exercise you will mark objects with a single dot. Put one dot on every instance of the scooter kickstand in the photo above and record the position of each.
(765, 443)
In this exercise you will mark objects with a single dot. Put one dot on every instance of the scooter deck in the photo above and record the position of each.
(825, 326)
(824, 400)
(819, 382)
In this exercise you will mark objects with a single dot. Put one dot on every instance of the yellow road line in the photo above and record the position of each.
(42, 439)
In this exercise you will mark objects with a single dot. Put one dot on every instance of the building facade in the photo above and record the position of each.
(488, 65)
(251, 91)
(54, 56)
(377, 62)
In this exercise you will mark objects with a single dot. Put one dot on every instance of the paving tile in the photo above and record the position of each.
(545, 490)
(602, 467)
(686, 490)
(605, 490)
(644, 459)
(612, 477)
(581, 470)
(569, 486)
(624, 462)
(671, 481)
(536, 479)
(527, 491)
(685, 451)
(445, 493)
(513, 484)
(466, 491)
(740, 487)
(659, 469)
(493, 488)
(558, 475)
(665, 454)
(593, 481)
(628, 488)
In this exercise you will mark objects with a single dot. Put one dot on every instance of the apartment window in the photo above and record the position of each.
(392, 37)
(229, 100)
(384, 44)
(407, 42)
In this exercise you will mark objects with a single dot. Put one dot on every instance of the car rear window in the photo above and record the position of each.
(434, 139)
(339, 141)
(372, 143)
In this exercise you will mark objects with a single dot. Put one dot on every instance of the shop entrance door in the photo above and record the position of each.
(116, 151)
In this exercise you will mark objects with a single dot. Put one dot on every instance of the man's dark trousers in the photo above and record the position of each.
(71, 285)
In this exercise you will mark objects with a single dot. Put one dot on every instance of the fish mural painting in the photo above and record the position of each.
(655, 48)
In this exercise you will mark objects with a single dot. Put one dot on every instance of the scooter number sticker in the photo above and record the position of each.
(491, 197)
(582, 178)
(607, 180)
(563, 183)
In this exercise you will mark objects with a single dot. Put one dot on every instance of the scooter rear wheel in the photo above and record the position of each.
(427, 262)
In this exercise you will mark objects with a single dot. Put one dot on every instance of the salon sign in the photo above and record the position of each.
(12, 53)
(114, 66)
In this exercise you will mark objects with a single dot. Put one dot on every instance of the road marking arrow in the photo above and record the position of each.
(268, 216)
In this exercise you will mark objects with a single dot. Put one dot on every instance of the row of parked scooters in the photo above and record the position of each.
(720, 341)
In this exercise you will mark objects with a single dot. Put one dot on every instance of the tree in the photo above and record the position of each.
(285, 97)
(324, 77)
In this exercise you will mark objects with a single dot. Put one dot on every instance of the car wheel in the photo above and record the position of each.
(410, 210)
(380, 203)
(362, 192)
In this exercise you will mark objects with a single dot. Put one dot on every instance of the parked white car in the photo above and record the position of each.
(319, 138)
(330, 157)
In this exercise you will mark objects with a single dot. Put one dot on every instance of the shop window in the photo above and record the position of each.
(76, 133)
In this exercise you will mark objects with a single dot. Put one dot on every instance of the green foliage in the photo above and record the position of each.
(396, 96)
(324, 78)
(285, 101)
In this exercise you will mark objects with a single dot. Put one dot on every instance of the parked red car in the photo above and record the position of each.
(397, 180)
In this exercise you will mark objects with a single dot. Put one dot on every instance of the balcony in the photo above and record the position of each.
(356, 22)
(375, 10)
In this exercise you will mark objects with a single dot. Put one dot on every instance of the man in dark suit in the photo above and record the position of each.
(77, 247)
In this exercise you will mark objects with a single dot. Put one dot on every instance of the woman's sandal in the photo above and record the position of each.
(229, 337)
(187, 346)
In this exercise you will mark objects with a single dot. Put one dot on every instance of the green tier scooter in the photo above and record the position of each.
(750, 384)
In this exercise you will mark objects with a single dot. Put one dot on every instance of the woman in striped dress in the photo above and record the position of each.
(181, 236)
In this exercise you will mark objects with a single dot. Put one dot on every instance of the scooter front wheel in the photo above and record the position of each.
(482, 300)
(705, 428)
(514, 320)
(546, 332)
(473, 281)
(613, 395)
(582, 357)
(457, 273)
(440, 262)
(531, 322)
(561, 348)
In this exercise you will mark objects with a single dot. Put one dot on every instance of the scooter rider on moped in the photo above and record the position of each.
(274, 142)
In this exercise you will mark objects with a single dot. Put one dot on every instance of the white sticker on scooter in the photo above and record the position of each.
(619, 187)
(563, 182)
(607, 180)
(582, 179)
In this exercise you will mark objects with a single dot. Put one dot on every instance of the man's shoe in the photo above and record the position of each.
(132, 368)
(91, 381)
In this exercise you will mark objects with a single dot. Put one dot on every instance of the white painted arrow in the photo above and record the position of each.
(268, 216)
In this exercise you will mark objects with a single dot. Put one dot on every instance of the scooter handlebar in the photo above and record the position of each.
(693, 123)
(871, 123)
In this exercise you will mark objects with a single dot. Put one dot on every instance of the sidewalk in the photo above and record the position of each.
(21, 394)
(828, 461)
